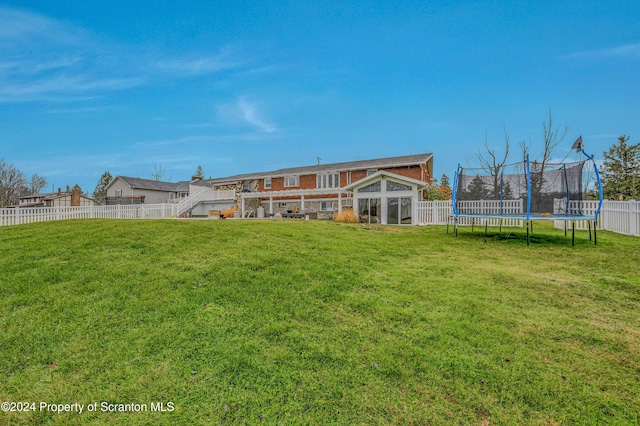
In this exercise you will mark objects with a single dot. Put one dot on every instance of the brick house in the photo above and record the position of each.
(317, 191)
(320, 191)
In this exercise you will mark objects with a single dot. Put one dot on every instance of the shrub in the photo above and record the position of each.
(346, 216)
(229, 212)
(435, 192)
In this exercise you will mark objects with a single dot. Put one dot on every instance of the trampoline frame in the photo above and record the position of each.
(528, 217)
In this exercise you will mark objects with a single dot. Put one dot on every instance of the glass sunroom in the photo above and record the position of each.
(386, 198)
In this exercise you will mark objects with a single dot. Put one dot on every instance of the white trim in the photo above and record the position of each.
(327, 180)
(297, 181)
(383, 195)
(292, 193)
(380, 174)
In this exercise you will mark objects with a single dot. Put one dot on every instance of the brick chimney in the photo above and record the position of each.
(75, 197)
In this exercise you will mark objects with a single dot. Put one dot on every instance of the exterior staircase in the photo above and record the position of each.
(188, 203)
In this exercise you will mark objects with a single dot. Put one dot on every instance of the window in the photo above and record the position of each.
(119, 193)
(399, 211)
(373, 187)
(291, 181)
(267, 183)
(369, 209)
(396, 186)
(326, 206)
(328, 180)
(247, 187)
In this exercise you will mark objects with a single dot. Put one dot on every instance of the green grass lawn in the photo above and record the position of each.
(314, 322)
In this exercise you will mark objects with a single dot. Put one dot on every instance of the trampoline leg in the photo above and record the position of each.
(473, 221)
(527, 233)
(589, 230)
(573, 233)
(448, 220)
(595, 235)
(565, 228)
(486, 226)
(455, 226)
(500, 225)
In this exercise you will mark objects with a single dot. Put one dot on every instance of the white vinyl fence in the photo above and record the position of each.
(19, 216)
(433, 212)
(509, 207)
(589, 207)
(622, 217)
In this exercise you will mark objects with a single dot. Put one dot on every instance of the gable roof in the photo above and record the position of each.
(380, 174)
(53, 195)
(153, 185)
(378, 163)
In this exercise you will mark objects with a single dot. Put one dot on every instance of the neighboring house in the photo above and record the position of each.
(389, 187)
(56, 199)
(130, 190)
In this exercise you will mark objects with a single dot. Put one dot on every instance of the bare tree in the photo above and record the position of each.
(551, 138)
(12, 184)
(493, 163)
(158, 173)
(36, 184)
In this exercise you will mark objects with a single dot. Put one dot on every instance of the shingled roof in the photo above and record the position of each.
(378, 163)
(155, 185)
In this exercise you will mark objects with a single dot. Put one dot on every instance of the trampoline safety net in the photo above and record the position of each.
(524, 188)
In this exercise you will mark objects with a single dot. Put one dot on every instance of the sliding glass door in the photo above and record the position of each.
(399, 211)
(369, 209)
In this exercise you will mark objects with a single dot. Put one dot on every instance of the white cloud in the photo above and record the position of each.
(625, 51)
(248, 112)
(226, 59)
(45, 59)
(252, 115)
(25, 26)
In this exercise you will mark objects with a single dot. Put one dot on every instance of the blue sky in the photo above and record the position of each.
(248, 86)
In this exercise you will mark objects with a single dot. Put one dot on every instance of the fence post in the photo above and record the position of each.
(18, 218)
(119, 213)
(434, 212)
(633, 220)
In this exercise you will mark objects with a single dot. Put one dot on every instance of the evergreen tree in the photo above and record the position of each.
(507, 192)
(100, 193)
(477, 189)
(444, 181)
(621, 171)
(199, 173)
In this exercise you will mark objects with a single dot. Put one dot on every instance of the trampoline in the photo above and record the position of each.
(526, 192)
